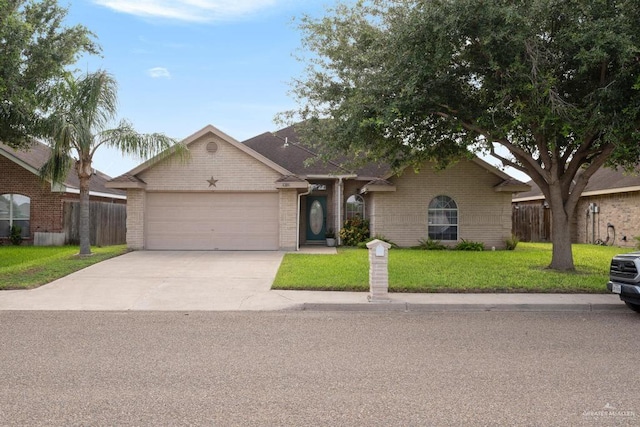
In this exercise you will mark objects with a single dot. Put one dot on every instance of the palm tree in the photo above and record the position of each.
(78, 124)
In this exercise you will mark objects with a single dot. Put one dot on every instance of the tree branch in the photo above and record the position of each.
(582, 179)
(542, 146)
(581, 155)
(505, 161)
(518, 153)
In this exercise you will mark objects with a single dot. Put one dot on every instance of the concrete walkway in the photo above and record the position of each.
(228, 281)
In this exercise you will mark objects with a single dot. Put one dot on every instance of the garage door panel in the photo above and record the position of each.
(218, 221)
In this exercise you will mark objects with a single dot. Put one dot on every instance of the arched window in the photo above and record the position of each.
(14, 210)
(355, 207)
(443, 219)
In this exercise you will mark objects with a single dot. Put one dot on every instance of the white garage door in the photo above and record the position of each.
(212, 221)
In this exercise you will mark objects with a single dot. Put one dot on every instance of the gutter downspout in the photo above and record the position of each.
(309, 190)
(339, 203)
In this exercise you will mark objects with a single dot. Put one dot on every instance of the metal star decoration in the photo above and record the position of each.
(212, 182)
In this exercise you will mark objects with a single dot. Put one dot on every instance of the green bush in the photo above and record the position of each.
(469, 246)
(431, 245)
(15, 235)
(512, 242)
(363, 245)
(638, 242)
(354, 231)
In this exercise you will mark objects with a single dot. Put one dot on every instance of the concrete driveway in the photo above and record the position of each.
(163, 280)
(229, 281)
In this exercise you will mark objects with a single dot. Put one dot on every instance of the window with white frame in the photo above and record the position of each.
(354, 207)
(443, 219)
(15, 210)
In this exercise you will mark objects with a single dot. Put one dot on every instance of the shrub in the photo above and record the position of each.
(469, 246)
(431, 245)
(512, 242)
(355, 230)
(638, 242)
(15, 235)
(363, 245)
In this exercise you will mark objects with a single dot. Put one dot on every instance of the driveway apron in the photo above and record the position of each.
(161, 280)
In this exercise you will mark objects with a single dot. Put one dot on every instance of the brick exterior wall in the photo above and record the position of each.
(484, 215)
(136, 200)
(233, 170)
(288, 215)
(622, 210)
(619, 209)
(46, 212)
(46, 207)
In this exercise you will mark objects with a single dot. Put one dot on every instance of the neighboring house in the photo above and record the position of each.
(607, 212)
(37, 205)
(264, 194)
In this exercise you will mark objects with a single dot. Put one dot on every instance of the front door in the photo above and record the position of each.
(316, 217)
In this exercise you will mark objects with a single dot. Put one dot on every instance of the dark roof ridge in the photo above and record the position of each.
(299, 145)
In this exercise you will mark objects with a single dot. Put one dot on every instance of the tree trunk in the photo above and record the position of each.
(85, 243)
(562, 256)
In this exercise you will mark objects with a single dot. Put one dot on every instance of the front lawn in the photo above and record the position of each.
(24, 267)
(410, 270)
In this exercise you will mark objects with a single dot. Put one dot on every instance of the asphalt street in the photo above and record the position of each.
(319, 368)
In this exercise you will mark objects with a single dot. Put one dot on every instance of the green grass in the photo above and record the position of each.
(25, 267)
(522, 270)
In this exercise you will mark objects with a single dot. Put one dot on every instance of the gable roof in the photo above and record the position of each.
(36, 155)
(603, 181)
(285, 148)
(129, 179)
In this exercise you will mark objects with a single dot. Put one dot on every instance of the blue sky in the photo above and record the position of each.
(184, 64)
(181, 65)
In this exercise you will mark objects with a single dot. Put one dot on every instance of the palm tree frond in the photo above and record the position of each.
(96, 99)
(143, 146)
(57, 167)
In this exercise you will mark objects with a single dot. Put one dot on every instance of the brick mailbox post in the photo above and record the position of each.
(378, 271)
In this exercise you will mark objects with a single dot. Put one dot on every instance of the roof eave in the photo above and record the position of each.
(126, 185)
(292, 185)
(55, 187)
(512, 188)
(332, 176)
(217, 132)
(375, 188)
(97, 194)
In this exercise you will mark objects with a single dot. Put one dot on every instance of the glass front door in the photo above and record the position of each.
(316, 217)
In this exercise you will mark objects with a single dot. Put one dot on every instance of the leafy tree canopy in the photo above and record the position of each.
(36, 49)
(554, 82)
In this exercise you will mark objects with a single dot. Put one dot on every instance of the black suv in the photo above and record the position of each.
(624, 279)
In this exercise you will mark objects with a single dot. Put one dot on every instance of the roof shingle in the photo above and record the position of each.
(37, 155)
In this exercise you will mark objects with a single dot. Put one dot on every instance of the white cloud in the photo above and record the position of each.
(189, 10)
(159, 73)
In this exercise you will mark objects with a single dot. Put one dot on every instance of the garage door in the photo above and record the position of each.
(212, 221)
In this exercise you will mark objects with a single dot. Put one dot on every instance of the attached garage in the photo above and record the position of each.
(212, 221)
(220, 195)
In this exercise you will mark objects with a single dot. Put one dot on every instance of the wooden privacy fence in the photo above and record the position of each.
(107, 223)
(531, 222)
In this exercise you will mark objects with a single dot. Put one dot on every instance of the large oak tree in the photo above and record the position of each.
(548, 87)
(36, 49)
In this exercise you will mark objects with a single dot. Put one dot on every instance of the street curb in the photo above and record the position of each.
(411, 307)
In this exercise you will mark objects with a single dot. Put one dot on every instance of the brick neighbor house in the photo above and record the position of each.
(263, 194)
(36, 205)
(608, 210)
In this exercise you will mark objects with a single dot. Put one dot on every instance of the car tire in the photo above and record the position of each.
(632, 306)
